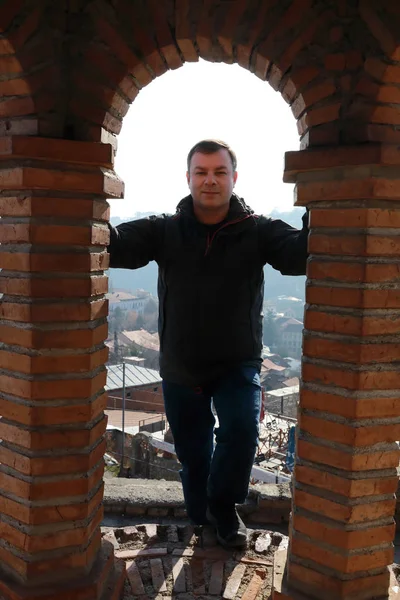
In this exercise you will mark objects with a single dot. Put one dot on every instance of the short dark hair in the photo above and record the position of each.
(209, 147)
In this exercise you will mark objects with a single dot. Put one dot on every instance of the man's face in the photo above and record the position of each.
(211, 179)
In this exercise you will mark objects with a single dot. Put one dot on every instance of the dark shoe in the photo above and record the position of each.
(199, 522)
(231, 531)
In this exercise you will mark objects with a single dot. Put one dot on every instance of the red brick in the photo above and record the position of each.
(86, 108)
(67, 287)
(17, 36)
(354, 272)
(42, 364)
(261, 66)
(165, 40)
(335, 62)
(289, 91)
(102, 182)
(41, 568)
(79, 536)
(347, 540)
(350, 488)
(16, 107)
(302, 76)
(230, 21)
(346, 351)
(332, 322)
(85, 153)
(346, 433)
(52, 465)
(36, 416)
(342, 156)
(352, 189)
(354, 245)
(344, 513)
(355, 217)
(10, 65)
(8, 12)
(351, 563)
(62, 389)
(384, 114)
(311, 580)
(348, 461)
(303, 39)
(57, 338)
(54, 311)
(351, 379)
(95, 584)
(27, 206)
(42, 439)
(125, 55)
(349, 407)
(353, 298)
(38, 515)
(54, 234)
(379, 30)
(54, 262)
(318, 116)
(328, 134)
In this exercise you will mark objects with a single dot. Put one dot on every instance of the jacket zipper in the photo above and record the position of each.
(210, 239)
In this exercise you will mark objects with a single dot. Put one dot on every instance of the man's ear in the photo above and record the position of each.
(235, 176)
(187, 177)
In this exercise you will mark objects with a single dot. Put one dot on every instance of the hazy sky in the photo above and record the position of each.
(197, 101)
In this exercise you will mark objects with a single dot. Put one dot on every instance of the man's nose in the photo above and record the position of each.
(210, 178)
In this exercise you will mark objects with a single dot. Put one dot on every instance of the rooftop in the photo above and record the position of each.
(271, 366)
(286, 391)
(143, 338)
(134, 376)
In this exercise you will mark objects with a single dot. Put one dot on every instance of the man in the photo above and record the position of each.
(211, 255)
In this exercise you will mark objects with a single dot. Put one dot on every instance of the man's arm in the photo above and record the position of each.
(283, 246)
(136, 243)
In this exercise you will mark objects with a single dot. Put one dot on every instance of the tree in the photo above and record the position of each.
(150, 307)
(271, 337)
(139, 322)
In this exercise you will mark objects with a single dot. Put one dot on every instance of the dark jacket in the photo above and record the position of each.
(210, 283)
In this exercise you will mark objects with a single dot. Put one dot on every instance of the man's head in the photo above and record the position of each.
(211, 177)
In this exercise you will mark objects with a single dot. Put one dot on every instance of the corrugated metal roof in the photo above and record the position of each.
(134, 376)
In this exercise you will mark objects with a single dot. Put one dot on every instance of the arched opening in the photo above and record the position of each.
(209, 100)
(53, 258)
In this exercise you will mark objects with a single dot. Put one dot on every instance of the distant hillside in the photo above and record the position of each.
(275, 283)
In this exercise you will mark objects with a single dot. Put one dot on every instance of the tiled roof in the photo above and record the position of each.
(291, 381)
(270, 366)
(143, 338)
(134, 376)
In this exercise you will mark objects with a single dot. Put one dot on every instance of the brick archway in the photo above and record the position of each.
(68, 75)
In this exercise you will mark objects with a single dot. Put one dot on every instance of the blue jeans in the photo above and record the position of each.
(221, 474)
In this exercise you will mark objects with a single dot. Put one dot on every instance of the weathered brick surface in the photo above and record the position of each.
(53, 352)
(345, 475)
(336, 65)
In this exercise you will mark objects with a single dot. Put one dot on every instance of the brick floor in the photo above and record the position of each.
(176, 561)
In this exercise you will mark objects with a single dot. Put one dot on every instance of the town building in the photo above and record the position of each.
(146, 344)
(290, 336)
(127, 301)
(143, 391)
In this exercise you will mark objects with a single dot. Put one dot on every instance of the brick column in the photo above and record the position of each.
(53, 325)
(349, 416)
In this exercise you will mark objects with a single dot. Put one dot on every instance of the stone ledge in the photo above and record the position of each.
(266, 503)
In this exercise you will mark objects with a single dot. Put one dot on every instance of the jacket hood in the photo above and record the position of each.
(237, 208)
